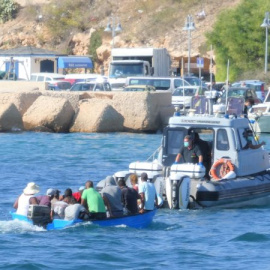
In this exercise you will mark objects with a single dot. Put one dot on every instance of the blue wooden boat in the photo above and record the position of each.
(138, 221)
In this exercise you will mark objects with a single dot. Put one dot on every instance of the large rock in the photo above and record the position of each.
(10, 118)
(22, 100)
(72, 97)
(96, 115)
(141, 110)
(49, 114)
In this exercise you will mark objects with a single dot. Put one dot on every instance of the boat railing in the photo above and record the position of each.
(155, 155)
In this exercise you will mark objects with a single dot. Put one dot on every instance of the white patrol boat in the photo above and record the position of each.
(233, 175)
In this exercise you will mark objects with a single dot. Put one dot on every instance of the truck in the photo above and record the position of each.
(127, 62)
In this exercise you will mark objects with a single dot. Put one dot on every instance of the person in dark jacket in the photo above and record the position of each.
(129, 197)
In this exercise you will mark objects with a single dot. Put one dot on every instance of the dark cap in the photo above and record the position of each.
(144, 176)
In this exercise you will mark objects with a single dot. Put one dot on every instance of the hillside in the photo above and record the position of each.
(148, 23)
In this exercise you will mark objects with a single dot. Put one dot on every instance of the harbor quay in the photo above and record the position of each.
(28, 106)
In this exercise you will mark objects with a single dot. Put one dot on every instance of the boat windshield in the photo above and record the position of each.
(184, 92)
(259, 109)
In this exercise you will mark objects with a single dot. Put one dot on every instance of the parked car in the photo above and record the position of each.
(257, 85)
(195, 81)
(59, 85)
(236, 93)
(46, 77)
(91, 86)
(160, 83)
(139, 88)
(240, 92)
(182, 96)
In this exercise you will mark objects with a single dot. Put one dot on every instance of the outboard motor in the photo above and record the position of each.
(177, 191)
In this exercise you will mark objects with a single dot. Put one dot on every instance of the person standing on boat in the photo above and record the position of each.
(148, 194)
(26, 198)
(190, 152)
(129, 197)
(111, 195)
(93, 202)
(248, 135)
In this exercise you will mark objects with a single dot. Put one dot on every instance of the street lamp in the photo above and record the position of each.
(113, 28)
(266, 24)
(189, 26)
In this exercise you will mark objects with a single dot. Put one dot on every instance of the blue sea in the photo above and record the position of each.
(190, 239)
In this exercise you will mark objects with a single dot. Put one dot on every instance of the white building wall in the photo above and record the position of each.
(26, 65)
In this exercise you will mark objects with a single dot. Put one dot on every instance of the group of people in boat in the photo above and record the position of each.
(115, 199)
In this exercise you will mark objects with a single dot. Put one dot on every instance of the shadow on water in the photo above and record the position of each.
(252, 237)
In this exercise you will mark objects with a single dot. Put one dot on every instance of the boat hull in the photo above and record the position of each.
(138, 221)
(242, 191)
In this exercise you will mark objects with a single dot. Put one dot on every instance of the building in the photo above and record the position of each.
(19, 63)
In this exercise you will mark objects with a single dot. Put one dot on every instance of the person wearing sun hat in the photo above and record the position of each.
(26, 198)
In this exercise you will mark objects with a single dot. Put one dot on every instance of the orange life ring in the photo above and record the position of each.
(220, 168)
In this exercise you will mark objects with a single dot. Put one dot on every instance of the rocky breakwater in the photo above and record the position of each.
(65, 111)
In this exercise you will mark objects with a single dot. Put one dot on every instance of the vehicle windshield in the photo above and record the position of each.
(237, 93)
(83, 87)
(193, 80)
(184, 92)
(159, 84)
(126, 70)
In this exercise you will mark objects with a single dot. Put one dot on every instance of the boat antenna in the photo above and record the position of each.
(211, 66)
(227, 86)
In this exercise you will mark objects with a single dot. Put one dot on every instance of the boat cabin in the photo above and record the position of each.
(224, 135)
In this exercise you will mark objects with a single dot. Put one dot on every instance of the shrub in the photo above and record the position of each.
(8, 10)
(237, 36)
(95, 42)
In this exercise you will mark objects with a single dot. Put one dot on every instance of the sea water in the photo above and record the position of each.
(190, 239)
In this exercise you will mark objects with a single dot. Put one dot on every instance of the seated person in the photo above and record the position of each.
(111, 195)
(73, 210)
(93, 202)
(68, 196)
(26, 198)
(134, 181)
(46, 199)
(129, 197)
(248, 135)
(58, 207)
(77, 195)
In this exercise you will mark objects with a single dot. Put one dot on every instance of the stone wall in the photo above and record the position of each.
(15, 86)
(64, 111)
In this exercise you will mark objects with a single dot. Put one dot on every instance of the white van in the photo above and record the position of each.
(46, 77)
(182, 96)
(160, 83)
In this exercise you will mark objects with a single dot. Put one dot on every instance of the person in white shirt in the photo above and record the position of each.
(26, 198)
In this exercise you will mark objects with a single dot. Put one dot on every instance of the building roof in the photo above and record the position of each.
(28, 51)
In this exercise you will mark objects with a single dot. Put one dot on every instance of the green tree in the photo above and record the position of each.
(8, 10)
(95, 42)
(237, 36)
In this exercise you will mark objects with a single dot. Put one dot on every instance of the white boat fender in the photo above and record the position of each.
(160, 200)
(230, 175)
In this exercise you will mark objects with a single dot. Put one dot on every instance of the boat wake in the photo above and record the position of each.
(16, 226)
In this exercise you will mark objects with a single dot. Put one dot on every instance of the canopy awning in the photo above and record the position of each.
(75, 62)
